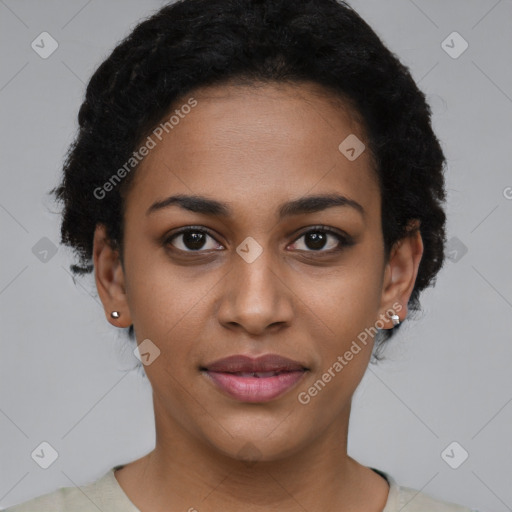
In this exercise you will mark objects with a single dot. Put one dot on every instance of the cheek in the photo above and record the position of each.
(168, 305)
(347, 300)
(162, 304)
(345, 307)
(341, 314)
(158, 296)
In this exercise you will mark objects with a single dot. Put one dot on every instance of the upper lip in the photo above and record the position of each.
(265, 363)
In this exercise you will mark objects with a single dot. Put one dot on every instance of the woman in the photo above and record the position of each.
(258, 189)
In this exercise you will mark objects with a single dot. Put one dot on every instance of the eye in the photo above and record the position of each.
(319, 237)
(193, 239)
(316, 239)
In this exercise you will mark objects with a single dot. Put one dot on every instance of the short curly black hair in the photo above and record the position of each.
(193, 43)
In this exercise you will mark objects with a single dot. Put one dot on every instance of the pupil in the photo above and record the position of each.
(193, 239)
(317, 239)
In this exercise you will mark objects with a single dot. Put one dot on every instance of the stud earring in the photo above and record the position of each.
(115, 314)
(395, 319)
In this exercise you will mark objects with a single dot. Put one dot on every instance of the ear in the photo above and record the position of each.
(109, 276)
(400, 274)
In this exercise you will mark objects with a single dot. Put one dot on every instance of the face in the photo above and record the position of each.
(255, 266)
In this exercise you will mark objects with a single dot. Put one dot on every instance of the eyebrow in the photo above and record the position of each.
(307, 204)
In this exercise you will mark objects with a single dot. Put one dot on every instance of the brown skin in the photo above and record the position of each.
(254, 148)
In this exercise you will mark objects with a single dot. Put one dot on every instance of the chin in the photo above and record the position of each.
(252, 445)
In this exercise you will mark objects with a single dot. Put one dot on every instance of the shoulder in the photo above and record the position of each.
(405, 499)
(411, 500)
(65, 498)
(101, 494)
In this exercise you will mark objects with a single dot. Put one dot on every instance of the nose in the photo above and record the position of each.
(256, 298)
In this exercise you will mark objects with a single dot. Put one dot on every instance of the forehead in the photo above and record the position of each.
(257, 145)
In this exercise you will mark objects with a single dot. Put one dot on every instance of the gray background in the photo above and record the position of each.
(447, 376)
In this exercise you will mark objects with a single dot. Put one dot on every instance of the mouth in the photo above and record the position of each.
(254, 380)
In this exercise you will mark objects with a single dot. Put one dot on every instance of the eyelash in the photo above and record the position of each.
(343, 240)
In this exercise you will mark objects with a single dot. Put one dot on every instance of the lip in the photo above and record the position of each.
(232, 375)
(265, 363)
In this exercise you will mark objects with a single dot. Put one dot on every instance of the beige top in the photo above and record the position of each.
(107, 495)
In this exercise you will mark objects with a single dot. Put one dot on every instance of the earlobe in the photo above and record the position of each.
(109, 277)
(400, 275)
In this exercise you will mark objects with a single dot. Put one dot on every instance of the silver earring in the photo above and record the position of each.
(395, 319)
(115, 314)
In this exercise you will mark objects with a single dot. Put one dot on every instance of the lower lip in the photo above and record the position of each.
(255, 389)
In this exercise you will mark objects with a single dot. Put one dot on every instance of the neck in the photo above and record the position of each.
(184, 473)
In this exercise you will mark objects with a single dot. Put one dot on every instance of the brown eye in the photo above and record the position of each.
(322, 240)
(191, 240)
